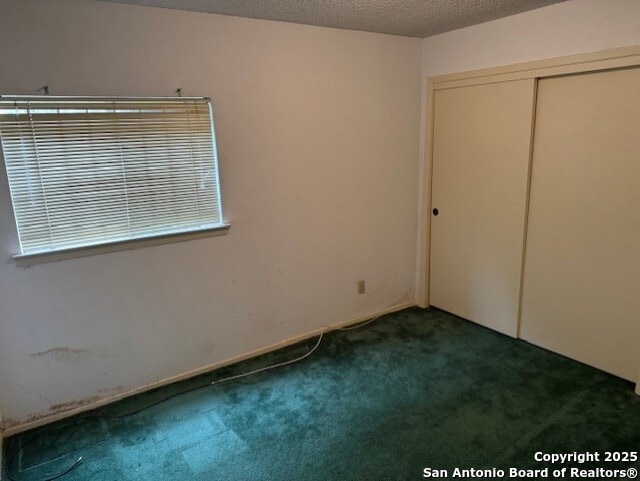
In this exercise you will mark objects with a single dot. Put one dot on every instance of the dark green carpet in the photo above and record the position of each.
(418, 388)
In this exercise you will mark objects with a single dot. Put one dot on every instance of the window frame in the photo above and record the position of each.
(26, 259)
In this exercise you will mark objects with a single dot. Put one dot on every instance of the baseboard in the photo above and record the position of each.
(19, 428)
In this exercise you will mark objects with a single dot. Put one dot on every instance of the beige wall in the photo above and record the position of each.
(318, 135)
(576, 26)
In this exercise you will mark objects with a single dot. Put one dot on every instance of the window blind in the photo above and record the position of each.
(92, 171)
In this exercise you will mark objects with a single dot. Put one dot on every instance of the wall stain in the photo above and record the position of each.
(62, 407)
(35, 417)
(112, 390)
(408, 296)
(10, 423)
(60, 351)
(67, 406)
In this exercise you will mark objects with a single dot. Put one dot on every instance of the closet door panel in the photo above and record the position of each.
(581, 293)
(481, 151)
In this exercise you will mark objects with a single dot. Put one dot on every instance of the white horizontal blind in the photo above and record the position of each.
(90, 171)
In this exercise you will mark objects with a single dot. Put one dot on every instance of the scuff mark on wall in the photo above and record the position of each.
(9, 423)
(207, 346)
(113, 390)
(61, 352)
(64, 407)
(408, 296)
(67, 406)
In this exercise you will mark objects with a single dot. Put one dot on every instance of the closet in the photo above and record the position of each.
(535, 207)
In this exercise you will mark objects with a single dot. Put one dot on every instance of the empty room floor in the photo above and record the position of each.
(416, 389)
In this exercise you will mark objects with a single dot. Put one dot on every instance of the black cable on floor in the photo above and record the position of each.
(164, 399)
(87, 418)
(160, 401)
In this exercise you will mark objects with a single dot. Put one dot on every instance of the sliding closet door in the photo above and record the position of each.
(581, 293)
(481, 145)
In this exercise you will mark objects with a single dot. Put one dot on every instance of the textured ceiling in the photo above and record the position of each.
(413, 18)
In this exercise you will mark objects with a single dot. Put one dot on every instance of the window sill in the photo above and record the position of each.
(24, 260)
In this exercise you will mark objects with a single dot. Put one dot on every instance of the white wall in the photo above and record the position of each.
(318, 135)
(576, 26)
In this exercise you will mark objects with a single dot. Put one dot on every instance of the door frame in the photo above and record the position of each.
(580, 63)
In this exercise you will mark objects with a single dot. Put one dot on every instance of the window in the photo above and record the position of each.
(101, 171)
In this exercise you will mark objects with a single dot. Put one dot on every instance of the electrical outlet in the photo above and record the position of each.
(361, 287)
